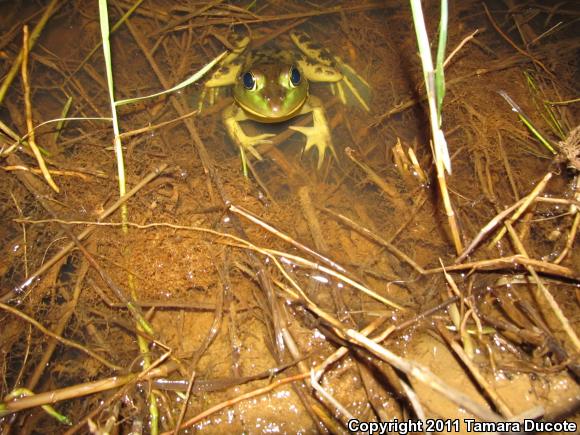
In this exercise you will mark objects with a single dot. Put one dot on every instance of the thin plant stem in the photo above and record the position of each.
(439, 144)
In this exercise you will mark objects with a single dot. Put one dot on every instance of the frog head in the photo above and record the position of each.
(271, 92)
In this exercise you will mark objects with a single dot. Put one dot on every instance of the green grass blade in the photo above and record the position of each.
(195, 77)
(439, 70)
(527, 122)
(105, 33)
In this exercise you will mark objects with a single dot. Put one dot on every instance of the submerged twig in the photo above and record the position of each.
(513, 262)
(29, 123)
(52, 7)
(285, 237)
(57, 337)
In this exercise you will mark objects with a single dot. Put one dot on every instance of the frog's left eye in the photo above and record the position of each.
(249, 81)
(295, 76)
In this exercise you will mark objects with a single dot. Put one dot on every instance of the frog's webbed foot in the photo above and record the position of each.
(208, 97)
(317, 136)
(232, 116)
(358, 90)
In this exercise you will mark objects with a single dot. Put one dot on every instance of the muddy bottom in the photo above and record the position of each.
(308, 295)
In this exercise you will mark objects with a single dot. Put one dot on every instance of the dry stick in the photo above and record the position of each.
(475, 372)
(343, 350)
(18, 290)
(51, 397)
(50, 172)
(570, 239)
(50, 9)
(460, 324)
(459, 47)
(57, 337)
(240, 398)
(337, 275)
(524, 206)
(449, 212)
(487, 228)
(559, 201)
(28, 107)
(156, 126)
(511, 262)
(413, 400)
(285, 237)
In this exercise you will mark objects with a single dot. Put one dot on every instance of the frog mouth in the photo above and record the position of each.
(271, 117)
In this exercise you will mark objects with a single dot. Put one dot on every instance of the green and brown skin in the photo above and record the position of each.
(274, 96)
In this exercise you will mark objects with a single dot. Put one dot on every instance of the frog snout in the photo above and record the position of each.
(274, 102)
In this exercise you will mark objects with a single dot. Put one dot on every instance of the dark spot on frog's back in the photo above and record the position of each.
(303, 37)
(224, 70)
(314, 46)
(324, 55)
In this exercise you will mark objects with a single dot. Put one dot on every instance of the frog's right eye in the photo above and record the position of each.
(249, 81)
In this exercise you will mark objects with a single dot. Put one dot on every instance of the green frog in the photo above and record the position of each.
(271, 86)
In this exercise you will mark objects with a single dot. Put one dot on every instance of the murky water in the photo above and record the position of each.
(231, 292)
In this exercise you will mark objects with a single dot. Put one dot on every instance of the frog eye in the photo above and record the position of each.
(295, 76)
(249, 81)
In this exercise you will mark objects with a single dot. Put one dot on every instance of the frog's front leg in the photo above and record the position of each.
(232, 116)
(318, 135)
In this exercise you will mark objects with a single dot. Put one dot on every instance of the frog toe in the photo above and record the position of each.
(250, 142)
(316, 138)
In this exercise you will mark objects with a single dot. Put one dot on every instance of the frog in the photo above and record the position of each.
(273, 86)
